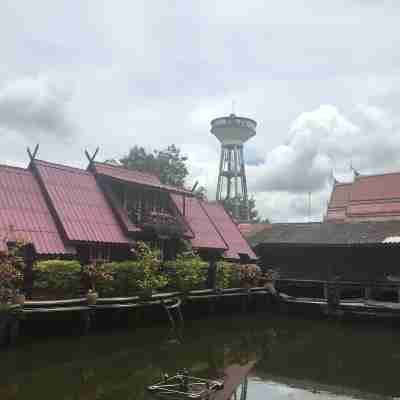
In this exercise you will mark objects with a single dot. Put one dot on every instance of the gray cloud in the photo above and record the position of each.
(36, 107)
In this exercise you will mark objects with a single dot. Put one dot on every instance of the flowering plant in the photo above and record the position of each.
(249, 274)
(11, 272)
(97, 273)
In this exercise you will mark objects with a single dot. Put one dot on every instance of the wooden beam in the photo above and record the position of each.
(91, 158)
(32, 155)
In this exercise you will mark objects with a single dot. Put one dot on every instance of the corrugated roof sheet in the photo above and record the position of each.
(205, 234)
(369, 196)
(136, 177)
(229, 231)
(24, 213)
(375, 187)
(327, 233)
(80, 204)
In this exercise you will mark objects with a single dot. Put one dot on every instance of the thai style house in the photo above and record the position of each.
(98, 212)
(367, 198)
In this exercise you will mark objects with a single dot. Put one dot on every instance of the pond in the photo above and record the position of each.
(293, 358)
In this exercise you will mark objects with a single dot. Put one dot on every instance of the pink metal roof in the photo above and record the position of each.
(24, 213)
(205, 234)
(373, 209)
(229, 231)
(79, 204)
(136, 177)
(375, 187)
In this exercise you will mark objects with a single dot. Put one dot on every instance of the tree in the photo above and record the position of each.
(168, 164)
(253, 216)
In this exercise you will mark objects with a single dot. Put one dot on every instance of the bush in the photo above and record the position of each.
(188, 272)
(227, 275)
(59, 277)
(125, 279)
(132, 276)
(12, 268)
(149, 277)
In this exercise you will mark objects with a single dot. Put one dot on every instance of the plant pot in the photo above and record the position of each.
(92, 298)
(19, 299)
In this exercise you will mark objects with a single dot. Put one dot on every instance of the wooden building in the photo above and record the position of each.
(98, 212)
(358, 251)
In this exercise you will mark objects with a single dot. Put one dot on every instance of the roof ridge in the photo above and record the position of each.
(62, 166)
(19, 169)
(344, 183)
(381, 174)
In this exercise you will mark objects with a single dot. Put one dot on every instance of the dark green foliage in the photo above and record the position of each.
(187, 272)
(58, 277)
(168, 164)
(124, 283)
(227, 275)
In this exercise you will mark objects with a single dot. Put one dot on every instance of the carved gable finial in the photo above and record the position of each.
(91, 158)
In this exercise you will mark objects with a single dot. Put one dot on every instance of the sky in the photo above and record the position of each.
(321, 78)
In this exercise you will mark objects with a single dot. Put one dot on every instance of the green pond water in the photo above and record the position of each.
(294, 359)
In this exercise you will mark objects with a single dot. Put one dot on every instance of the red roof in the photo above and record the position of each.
(79, 204)
(229, 231)
(205, 234)
(369, 196)
(376, 187)
(24, 213)
(136, 177)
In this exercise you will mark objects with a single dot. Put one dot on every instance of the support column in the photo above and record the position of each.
(368, 293)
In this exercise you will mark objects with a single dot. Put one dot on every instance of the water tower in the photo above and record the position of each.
(233, 132)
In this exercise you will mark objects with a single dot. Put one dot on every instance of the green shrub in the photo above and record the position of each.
(150, 277)
(227, 275)
(125, 279)
(187, 272)
(61, 276)
(133, 276)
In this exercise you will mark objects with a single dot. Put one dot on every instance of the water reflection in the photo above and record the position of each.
(283, 358)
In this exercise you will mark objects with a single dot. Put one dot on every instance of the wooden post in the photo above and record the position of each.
(368, 293)
(245, 300)
(3, 329)
(326, 289)
(398, 294)
(211, 305)
(14, 330)
(85, 321)
(212, 273)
